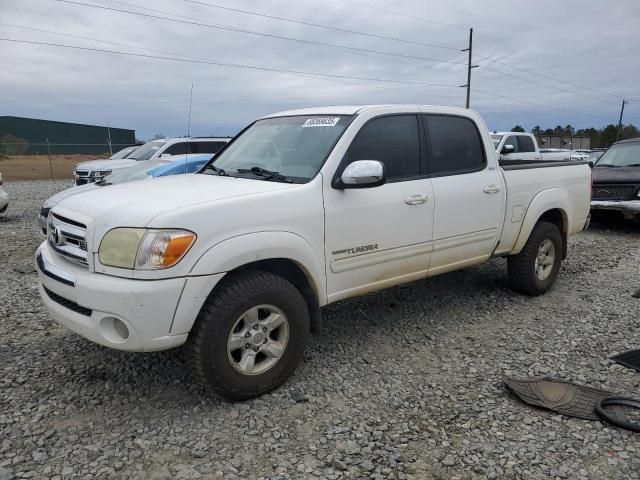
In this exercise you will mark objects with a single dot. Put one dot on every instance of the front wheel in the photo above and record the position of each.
(250, 335)
(534, 270)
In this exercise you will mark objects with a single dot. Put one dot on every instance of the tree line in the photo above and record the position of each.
(600, 137)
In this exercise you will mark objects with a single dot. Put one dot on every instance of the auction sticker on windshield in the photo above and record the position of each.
(321, 122)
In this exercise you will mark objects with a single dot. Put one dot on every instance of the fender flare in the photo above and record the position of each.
(544, 201)
(241, 250)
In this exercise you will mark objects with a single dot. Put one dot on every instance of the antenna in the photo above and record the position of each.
(109, 137)
(189, 120)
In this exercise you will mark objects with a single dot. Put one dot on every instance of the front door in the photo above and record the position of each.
(380, 236)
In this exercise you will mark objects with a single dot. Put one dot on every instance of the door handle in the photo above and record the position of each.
(416, 199)
(491, 189)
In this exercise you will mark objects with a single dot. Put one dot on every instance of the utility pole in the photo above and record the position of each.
(469, 66)
(620, 120)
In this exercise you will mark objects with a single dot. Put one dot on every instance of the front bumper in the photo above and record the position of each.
(630, 208)
(121, 313)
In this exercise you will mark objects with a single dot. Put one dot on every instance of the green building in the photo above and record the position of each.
(31, 136)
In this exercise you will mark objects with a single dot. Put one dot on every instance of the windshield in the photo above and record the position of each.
(621, 155)
(146, 151)
(122, 153)
(295, 147)
(137, 172)
(496, 140)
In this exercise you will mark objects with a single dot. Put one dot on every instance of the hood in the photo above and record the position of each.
(106, 164)
(58, 197)
(616, 175)
(135, 204)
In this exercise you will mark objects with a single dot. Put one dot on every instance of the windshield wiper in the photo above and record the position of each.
(633, 165)
(218, 170)
(266, 174)
(608, 165)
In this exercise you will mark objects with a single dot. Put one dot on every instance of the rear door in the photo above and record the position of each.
(467, 193)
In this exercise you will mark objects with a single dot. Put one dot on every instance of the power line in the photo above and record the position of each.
(224, 64)
(546, 85)
(532, 72)
(422, 19)
(319, 25)
(406, 15)
(362, 54)
(537, 104)
(165, 52)
(251, 32)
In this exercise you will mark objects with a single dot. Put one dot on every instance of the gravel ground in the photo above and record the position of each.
(404, 384)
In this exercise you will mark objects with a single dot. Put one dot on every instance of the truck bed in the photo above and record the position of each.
(507, 164)
(565, 185)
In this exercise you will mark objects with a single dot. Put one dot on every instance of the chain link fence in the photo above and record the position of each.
(57, 162)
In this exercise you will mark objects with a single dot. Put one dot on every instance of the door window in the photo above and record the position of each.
(513, 141)
(392, 140)
(180, 148)
(525, 144)
(454, 145)
(206, 147)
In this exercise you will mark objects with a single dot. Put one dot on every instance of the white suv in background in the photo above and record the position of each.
(92, 171)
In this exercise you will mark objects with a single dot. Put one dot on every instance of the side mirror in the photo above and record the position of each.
(363, 174)
(508, 149)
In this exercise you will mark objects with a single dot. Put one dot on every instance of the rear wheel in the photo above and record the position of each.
(534, 270)
(250, 335)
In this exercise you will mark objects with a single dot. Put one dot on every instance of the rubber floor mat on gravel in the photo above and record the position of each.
(629, 359)
(558, 395)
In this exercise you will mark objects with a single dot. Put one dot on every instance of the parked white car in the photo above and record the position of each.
(4, 197)
(95, 170)
(304, 208)
(524, 146)
(516, 146)
(165, 166)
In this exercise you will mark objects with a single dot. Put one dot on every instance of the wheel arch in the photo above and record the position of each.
(551, 205)
(282, 253)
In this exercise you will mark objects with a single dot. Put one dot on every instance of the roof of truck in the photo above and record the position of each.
(510, 133)
(347, 109)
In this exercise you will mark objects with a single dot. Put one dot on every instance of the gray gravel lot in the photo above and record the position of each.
(404, 384)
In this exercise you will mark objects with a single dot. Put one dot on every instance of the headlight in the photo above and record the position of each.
(142, 249)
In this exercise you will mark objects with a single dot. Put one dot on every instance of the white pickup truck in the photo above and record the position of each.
(303, 208)
(524, 146)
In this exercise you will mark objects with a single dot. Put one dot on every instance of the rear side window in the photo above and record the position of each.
(513, 141)
(526, 144)
(180, 148)
(454, 145)
(394, 141)
(206, 147)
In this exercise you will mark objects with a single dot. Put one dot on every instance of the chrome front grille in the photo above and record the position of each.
(603, 191)
(82, 177)
(67, 237)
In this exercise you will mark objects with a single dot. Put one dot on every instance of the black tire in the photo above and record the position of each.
(521, 267)
(210, 333)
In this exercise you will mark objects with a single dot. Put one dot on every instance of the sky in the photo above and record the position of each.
(543, 63)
